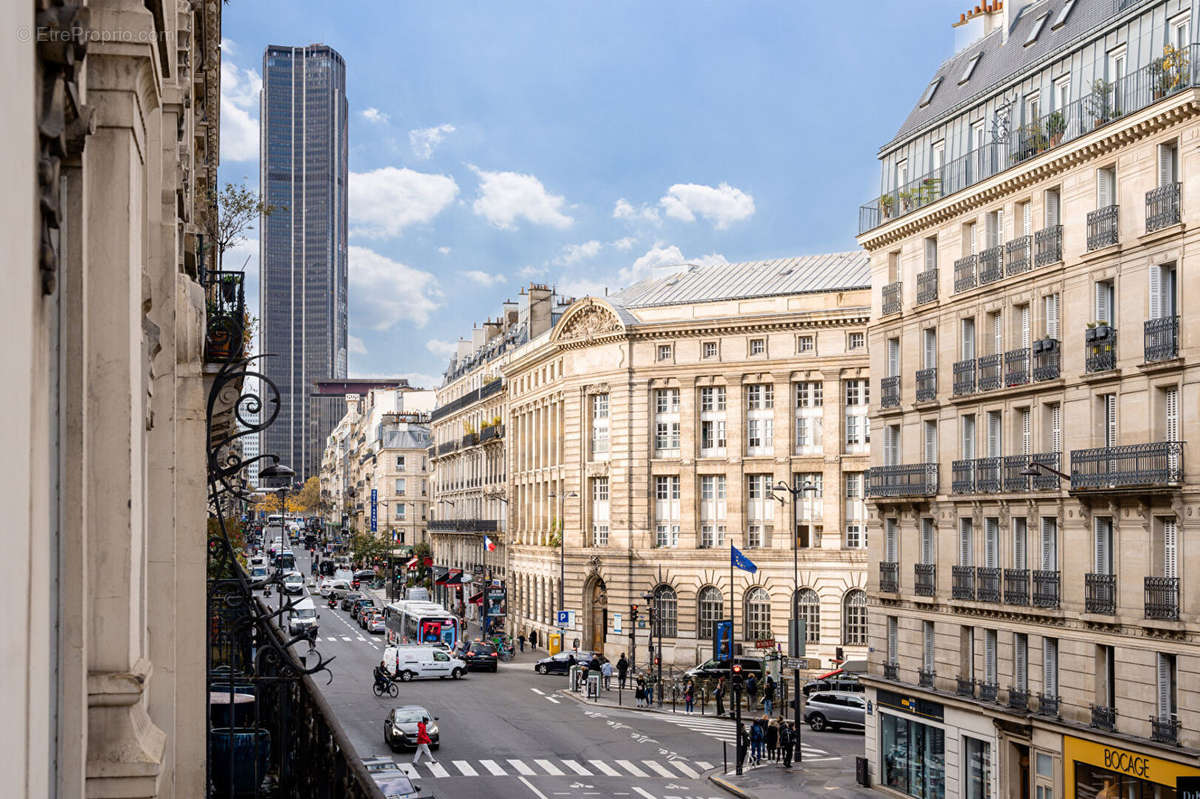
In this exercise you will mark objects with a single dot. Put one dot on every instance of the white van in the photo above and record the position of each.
(303, 618)
(414, 662)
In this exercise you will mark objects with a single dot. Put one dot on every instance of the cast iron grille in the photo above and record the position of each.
(889, 577)
(1164, 729)
(964, 378)
(1047, 245)
(1158, 464)
(1104, 718)
(927, 286)
(988, 584)
(1018, 698)
(989, 371)
(1047, 704)
(1046, 362)
(962, 477)
(1161, 339)
(1045, 588)
(1016, 367)
(906, 480)
(1162, 207)
(1100, 593)
(889, 389)
(991, 264)
(1100, 349)
(964, 686)
(1016, 253)
(962, 584)
(891, 671)
(1016, 586)
(1102, 227)
(925, 678)
(988, 691)
(926, 384)
(891, 298)
(987, 475)
(1162, 598)
(965, 277)
(924, 579)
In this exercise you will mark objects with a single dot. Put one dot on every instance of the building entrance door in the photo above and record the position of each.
(597, 615)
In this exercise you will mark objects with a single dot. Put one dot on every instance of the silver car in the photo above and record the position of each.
(826, 709)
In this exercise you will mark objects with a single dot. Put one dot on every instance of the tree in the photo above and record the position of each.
(308, 498)
(271, 503)
(238, 207)
(367, 548)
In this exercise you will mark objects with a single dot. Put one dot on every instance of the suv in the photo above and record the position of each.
(349, 598)
(356, 610)
(839, 682)
(713, 669)
(480, 655)
(835, 709)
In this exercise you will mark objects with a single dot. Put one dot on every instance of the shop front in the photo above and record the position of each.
(912, 745)
(1094, 770)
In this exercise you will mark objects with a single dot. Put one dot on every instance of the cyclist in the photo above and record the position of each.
(383, 677)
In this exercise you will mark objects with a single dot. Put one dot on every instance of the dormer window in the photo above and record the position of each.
(927, 97)
(1061, 19)
(1036, 29)
(966, 76)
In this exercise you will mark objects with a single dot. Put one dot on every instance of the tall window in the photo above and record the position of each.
(760, 511)
(710, 606)
(666, 616)
(928, 541)
(401, 511)
(712, 510)
(809, 412)
(399, 463)
(854, 618)
(666, 422)
(1021, 662)
(666, 510)
(893, 639)
(758, 614)
(1049, 547)
(599, 511)
(1050, 666)
(855, 511)
(858, 424)
(760, 418)
(928, 651)
(712, 421)
(966, 542)
(1166, 704)
(810, 506)
(1102, 554)
(808, 608)
(600, 425)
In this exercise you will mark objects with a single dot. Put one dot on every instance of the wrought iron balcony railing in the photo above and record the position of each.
(1161, 341)
(1104, 718)
(1164, 729)
(889, 577)
(468, 399)
(1162, 598)
(891, 298)
(1047, 245)
(1155, 465)
(1102, 227)
(991, 264)
(1048, 704)
(987, 475)
(987, 584)
(990, 367)
(1016, 586)
(1046, 588)
(924, 579)
(1100, 349)
(891, 671)
(964, 686)
(1162, 207)
(225, 321)
(962, 477)
(1016, 465)
(927, 286)
(964, 378)
(1100, 593)
(1017, 255)
(1046, 359)
(988, 691)
(489, 432)
(904, 480)
(1018, 698)
(965, 276)
(925, 678)
(927, 384)
(463, 525)
(447, 447)
(889, 390)
(1016, 367)
(962, 582)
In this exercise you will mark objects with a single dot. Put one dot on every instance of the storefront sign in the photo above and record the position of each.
(1078, 754)
(913, 705)
(765, 643)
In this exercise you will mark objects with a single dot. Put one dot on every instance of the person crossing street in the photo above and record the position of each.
(423, 741)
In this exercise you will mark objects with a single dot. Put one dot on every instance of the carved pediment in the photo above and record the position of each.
(589, 322)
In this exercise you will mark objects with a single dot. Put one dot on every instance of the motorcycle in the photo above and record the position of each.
(333, 603)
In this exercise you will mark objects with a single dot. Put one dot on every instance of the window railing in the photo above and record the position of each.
(964, 686)
(903, 480)
(1100, 349)
(987, 584)
(1048, 704)
(964, 378)
(1164, 729)
(1162, 207)
(491, 431)
(1158, 464)
(1102, 227)
(1016, 367)
(1161, 339)
(989, 371)
(987, 475)
(1100, 593)
(1047, 246)
(225, 318)
(889, 390)
(1046, 588)
(1016, 255)
(965, 277)
(927, 286)
(891, 671)
(926, 384)
(1162, 598)
(1018, 698)
(962, 582)
(925, 678)
(889, 577)
(1016, 586)
(1104, 718)
(991, 264)
(988, 691)
(891, 298)
(962, 477)
(1046, 359)
(463, 525)
(1016, 481)
(925, 579)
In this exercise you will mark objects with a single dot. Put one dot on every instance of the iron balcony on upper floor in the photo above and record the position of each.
(1142, 467)
(1102, 227)
(889, 577)
(1004, 474)
(463, 525)
(903, 480)
(927, 285)
(889, 392)
(1161, 342)
(1162, 207)
(1037, 363)
(1100, 348)
(891, 298)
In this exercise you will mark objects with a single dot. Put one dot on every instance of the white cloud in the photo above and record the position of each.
(505, 197)
(483, 278)
(444, 250)
(652, 262)
(578, 287)
(574, 253)
(443, 348)
(625, 243)
(385, 201)
(722, 205)
(356, 346)
(239, 112)
(388, 292)
(229, 47)
(625, 210)
(425, 140)
(532, 271)
(374, 115)
(419, 380)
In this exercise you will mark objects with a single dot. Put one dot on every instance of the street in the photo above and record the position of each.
(515, 730)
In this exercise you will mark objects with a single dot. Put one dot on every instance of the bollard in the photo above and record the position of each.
(724, 757)
(619, 700)
(703, 696)
(672, 698)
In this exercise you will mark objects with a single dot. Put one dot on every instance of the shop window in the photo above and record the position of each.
(977, 769)
(912, 757)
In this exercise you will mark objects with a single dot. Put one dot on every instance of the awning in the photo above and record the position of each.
(454, 577)
(477, 599)
(439, 575)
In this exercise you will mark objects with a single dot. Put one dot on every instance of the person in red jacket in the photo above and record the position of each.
(423, 741)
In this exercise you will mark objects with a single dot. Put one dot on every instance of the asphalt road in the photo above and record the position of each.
(515, 731)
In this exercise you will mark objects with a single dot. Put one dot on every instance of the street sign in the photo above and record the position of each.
(564, 618)
(617, 623)
(801, 663)
(374, 510)
(765, 643)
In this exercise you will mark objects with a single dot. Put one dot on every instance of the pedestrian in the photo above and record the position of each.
(689, 697)
(521, 641)
(787, 740)
(640, 692)
(606, 671)
(772, 738)
(622, 670)
(769, 694)
(594, 664)
(719, 695)
(756, 741)
(751, 692)
(423, 741)
(533, 639)
(743, 742)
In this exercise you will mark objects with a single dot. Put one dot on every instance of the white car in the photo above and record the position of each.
(293, 583)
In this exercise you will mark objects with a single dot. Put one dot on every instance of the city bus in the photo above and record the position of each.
(415, 622)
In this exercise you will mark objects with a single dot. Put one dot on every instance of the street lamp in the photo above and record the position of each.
(280, 471)
(498, 494)
(651, 610)
(1031, 470)
(780, 491)
(562, 546)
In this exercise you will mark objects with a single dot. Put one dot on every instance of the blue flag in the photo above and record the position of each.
(740, 561)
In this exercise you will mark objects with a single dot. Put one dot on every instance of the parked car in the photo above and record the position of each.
(841, 682)
(349, 598)
(712, 669)
(303, 617)
(391, 778)
(562, 662)
(836, 709)
(375, 622)
(480, 656)
(360, 607)
(400, 727)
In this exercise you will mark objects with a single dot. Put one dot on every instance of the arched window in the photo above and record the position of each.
(808, 607)
(710, 604)
(854, 618)
(666, 615)
(758, 614)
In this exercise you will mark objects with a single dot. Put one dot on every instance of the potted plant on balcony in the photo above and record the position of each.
(218, 333)
(1100, 102)
(229, 286)
(1098, 331)
(886, 204)
(1056, 126)
(1169, 71)
(908, 199)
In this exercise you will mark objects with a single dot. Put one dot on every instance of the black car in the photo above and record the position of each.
(359, 606)
(480, 656)
(713, 669)
(563, 661)
(350, 598)
(400, 728)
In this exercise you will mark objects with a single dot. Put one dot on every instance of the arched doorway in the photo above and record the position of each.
(597, 615)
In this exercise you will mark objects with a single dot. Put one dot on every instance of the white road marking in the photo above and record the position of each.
(438, 770)
(658, 768)
(521, 768)
(578, 769)
(466, 768)
(536, 691)
(632, 769)
(552, 699)
(704, 764)
(687, 770)
(493, 767)
(345, 638)
(529, 785)
(644, 792)
(410, 770)
(605, 769)
(549, 768)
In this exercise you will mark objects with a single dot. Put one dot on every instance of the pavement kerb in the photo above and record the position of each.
(577, 697)
(726, 785)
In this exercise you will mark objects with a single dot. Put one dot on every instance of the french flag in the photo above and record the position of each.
(489, 544)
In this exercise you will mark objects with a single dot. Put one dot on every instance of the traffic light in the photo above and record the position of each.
(736, 672)
(633, 610)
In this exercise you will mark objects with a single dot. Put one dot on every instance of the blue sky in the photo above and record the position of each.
(582, 144)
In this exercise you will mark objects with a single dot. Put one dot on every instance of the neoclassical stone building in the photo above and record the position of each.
(648, 429)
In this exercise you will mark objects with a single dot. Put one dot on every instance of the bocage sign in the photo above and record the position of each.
(1186, 778)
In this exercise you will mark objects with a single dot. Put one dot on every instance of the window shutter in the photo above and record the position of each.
(893, 634)
(964, 542)
(1050, 666)
(993, 434)
(1171, 403)
(1056, 427)
(931, 442)
(968, 339)
(1026, 432)
(1101, 302)
(1170, 533)
(1049, 545)
(1019, 531)
(997, 333)
(1051, 316)
(1166, 164)
(1024, 320)
(930, 254)
(1156, 303)
(974, 238)
(1021, 661)
(890, 542)
(1051, 208)
(929, 645)
(927, 541)
(930, 348)
(968, 438)
(991, 534)
(893, 357)
(1104, 189)
(989, 655)
(1103, 546)
(1027, 219)
(1110, 420)
(1164, 686)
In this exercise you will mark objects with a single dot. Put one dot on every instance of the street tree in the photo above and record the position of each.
(308, 498)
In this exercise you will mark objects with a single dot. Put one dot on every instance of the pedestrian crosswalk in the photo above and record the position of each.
(556, 767)
(723, 730)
